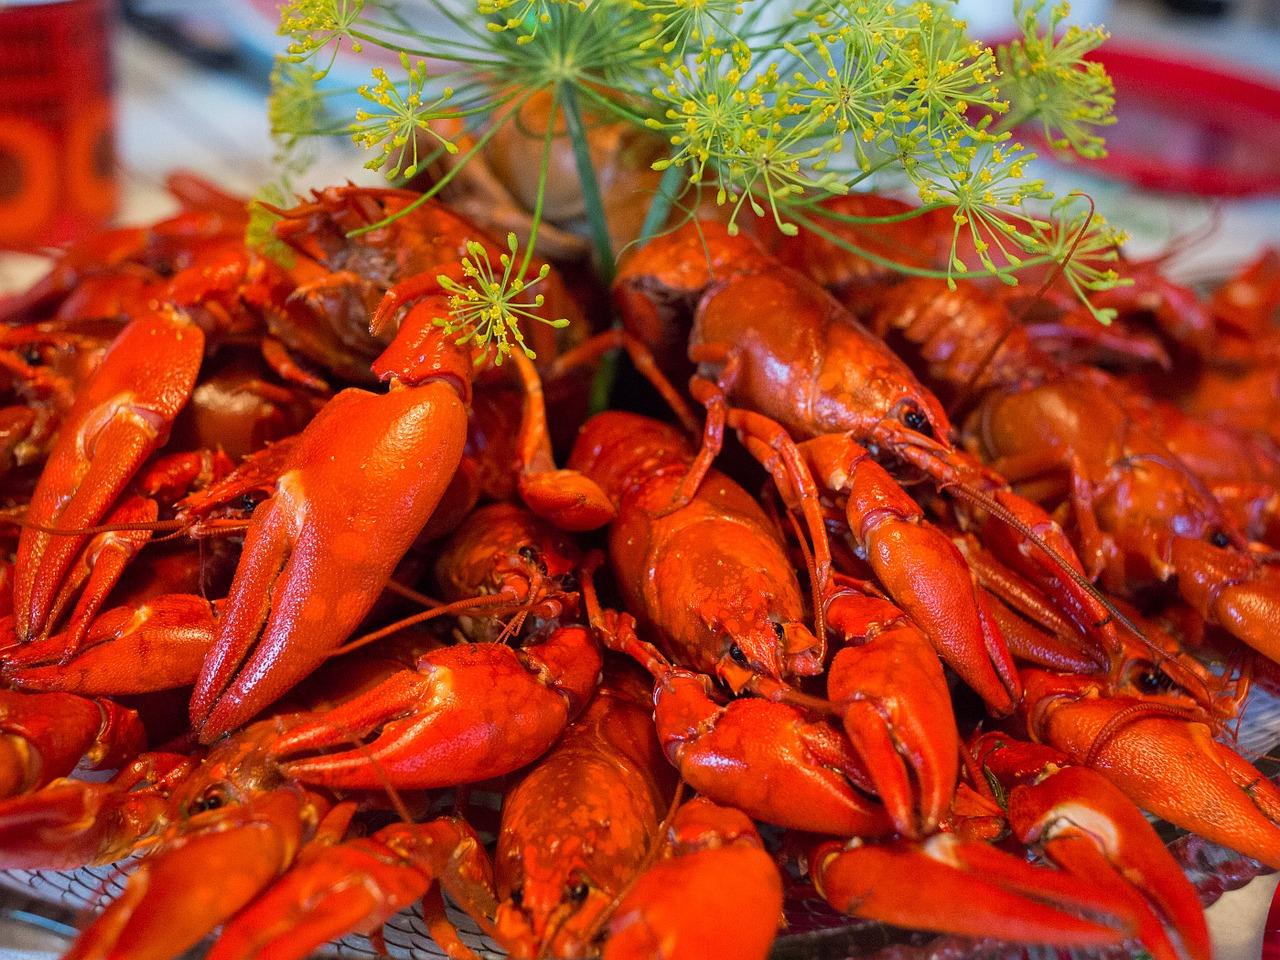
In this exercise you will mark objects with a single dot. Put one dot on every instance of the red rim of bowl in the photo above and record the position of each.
(1153, 76)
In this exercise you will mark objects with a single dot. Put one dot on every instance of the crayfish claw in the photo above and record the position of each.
(245, 847)
(897, 713)
(433, 728)
(975, 890)
(334, 890)
(357, 486)
(119, 419)
(566, 498)
(1164, 762)
(1089, 828)
(158, 645)
(1233, 589)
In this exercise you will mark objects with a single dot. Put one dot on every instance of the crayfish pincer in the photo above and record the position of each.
(358, 485)
(360, 482)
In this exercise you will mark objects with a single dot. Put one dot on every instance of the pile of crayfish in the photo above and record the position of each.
(944, 584)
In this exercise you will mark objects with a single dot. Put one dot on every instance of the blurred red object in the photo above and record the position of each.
(1186, 125)
(1271, 932)
(57, 148)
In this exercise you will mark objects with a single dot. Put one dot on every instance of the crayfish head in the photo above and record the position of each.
(236, 769)
(504, 550)
(552, 914)
(768, 648)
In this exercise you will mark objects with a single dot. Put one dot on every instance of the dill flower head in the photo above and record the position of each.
(767, 111)
(313, 25)
(1048, 78)
(485, 309)
(396, 113)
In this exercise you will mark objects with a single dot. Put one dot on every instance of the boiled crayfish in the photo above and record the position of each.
(418, 657)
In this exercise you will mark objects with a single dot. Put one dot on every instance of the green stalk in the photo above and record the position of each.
(536, 220)
(590, 185)
(662, 201)
(606, 374)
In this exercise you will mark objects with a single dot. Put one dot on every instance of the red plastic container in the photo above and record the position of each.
(1188, 125)
(57, 149)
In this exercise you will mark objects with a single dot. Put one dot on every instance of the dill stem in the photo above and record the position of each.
(662, 201)
(536, 220)
(606, 374)
(590, 185)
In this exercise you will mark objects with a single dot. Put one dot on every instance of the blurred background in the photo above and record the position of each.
(100, 99)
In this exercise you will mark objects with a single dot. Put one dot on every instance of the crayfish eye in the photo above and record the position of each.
(913, 417)
(31, 356)
(1220, 539)
(779, 632)
(1154, 680)
(517, 897)
(528, 552)
(578, 892)
(213, 798)
(249, 502)
(738, 655)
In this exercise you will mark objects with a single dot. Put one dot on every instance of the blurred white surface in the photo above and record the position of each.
(1236, 921)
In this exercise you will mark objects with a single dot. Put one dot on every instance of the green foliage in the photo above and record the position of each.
(768, 107)
(294, 106)
(314, 25)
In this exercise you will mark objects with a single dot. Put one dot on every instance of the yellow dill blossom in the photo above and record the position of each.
(677, 23)
(708, 107)
(839, 86)
(939, 76)
(526, 16)
(293, 108)
(484, 309)
(765, 114)
(1048, 79)
(1085, 245)
(396, 116)
(313, 25)
(987, 195)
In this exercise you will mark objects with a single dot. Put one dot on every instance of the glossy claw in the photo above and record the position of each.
(1232, 589)
(73, 823)
(567, 499)
(1091, 829)
(119, 419)
(170, 904)
(718, 898)
(156, 646)
(100, 566)
(357, 487)
(352, 887)
(766, 760)
(1167, 765)
(920, 568)
(467, 713)
(44, 736)
(974, 890)
(897, 713)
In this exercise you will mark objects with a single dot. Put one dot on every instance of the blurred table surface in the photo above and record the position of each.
(173, 114)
